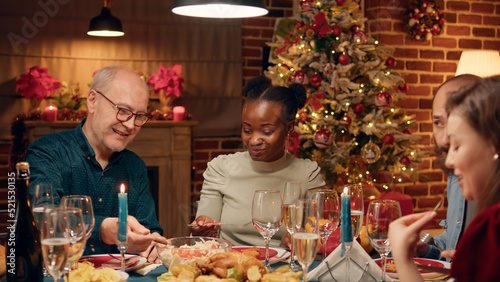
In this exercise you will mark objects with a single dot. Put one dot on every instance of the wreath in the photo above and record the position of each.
(424, 19)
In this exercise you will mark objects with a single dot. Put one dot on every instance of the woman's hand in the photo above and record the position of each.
(205, 226)
(286, 241)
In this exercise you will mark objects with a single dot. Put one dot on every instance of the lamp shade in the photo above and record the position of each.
(105, 25)
(482, 63)
(220, 8)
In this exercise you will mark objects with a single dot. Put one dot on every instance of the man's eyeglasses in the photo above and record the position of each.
(125, 114)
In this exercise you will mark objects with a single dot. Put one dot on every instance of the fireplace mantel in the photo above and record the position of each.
(162, 144)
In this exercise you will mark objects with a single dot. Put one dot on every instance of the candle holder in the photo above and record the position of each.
(122, 242)
(122, 247)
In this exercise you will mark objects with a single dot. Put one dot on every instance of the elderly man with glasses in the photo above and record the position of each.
(92, 160)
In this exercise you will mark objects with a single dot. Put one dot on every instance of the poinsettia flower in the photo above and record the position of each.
(170, 80)
(37, 83)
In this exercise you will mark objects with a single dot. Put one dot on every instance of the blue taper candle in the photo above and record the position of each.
(345, 216)
(122, 214)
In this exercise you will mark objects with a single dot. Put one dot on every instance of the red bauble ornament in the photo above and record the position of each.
(316, 80)
(358, 108)
(302, 117)
(340, 2)
(300, 77)
(323, 138)
(344, 59)
(407, 131)
(358, 36)
(347, 120)
(403, 88)
(388, 139)
(384, 99)
(337, 30)
(391, 62)
(405, 161)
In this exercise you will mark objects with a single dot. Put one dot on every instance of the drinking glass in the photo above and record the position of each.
(43, 195)
(306, 233)
(378, 217)
(327, 204)
(76, 232)
(357, 209)
(55, 241)
(266, 216)
(291, 194)
(84, 203)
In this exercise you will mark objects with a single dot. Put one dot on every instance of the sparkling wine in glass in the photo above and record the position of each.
(291, 193)
(378, 217)
(84, 203)
(357, 209)
(55, 241)
(327, 205)
(266, 216)
(76, 232)
(43, 195)
(306, 233)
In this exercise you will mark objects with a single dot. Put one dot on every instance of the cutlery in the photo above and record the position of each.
(436, 269)
(219, 224)
(118, 258)
(428, 239)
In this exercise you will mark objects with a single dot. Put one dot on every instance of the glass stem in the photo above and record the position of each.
(384, 259)
(323, 240)
(348, 247)
(292, 252)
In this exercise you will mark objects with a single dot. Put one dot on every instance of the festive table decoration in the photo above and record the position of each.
(68, 97)
(424, 19)
(167, 84)
(37, 85)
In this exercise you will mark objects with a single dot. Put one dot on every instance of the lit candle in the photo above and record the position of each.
(122, 214)
(345, 216)
(50, 113)
(179, 112)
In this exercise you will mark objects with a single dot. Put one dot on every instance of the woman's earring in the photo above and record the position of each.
(495, 157)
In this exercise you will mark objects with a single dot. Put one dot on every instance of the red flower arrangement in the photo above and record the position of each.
(37, 83)
(169, 80)
(424, 19)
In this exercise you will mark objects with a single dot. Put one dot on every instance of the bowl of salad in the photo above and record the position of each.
(189, 250)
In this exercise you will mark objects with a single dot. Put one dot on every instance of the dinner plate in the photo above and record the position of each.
(427, 275)
(108, 261)
(275, 254)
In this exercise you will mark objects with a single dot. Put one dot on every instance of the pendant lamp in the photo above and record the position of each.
(105, 24)
(220, 8)
(482, 63)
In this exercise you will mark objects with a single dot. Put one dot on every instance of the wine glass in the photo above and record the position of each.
(357, 209)
(55, 241)
(327, 204)
(43, 195)
(291, 193)
(76, 232)
(306, 233)
(266, 216)
(84, 203)
(378, 217)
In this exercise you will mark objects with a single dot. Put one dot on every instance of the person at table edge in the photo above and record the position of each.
(92, 160)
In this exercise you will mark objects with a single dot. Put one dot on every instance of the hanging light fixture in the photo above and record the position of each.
(482, 63)
(105, 24)
(220, 8)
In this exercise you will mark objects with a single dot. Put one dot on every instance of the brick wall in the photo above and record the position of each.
(469, 25)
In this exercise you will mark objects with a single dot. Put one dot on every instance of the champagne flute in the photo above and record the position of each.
(306, 233)
(266, 216)
(43, 195)
(55, 241)
(327, 203)
(76, 232)
(357, 209)
(84, 203)
(378, 217)
(291, 194)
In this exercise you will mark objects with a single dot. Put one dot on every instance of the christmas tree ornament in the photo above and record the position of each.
(384, 99)
(347, 120)
(340, 2)
(370, 152)
(316, 80)
(358, 36)
(406, 161)
(323, 138)
(344, 59)
(302, 117)
(388, 139)
(403, 88)
(337, 30)
(391, 62)
(300, 77)
(407, 131)
(358, 108)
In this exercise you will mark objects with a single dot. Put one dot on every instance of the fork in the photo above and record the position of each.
(118, 258)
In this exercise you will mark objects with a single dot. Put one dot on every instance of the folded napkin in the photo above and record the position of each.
(337, 267)
(146, 268)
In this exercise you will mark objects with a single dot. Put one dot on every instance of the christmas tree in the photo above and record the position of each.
(351, 114)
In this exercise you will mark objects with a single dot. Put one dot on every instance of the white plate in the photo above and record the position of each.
(428, 276)
(105, 260)
(123, 275)
(281, 255)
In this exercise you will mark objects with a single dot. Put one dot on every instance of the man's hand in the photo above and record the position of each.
(150, 253)
(286, 241)
(448, 254)
(208, 230)
(139, 238)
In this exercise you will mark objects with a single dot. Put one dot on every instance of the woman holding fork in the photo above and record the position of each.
(268, 119)
(474, 132)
